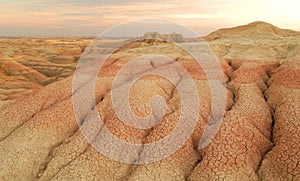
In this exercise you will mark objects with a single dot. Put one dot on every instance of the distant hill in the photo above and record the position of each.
(174, 37)
(252, 30)
(257, 41)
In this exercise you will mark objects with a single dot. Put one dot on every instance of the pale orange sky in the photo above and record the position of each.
(91, 17)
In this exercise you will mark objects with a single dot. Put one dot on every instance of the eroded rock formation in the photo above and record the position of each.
(257, 140)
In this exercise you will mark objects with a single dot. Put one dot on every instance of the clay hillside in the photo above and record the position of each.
(257, 140)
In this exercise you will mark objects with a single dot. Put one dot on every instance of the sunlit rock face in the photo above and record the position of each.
(257, 140)
(174, 37)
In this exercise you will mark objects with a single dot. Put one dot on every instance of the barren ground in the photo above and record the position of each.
(257, 140)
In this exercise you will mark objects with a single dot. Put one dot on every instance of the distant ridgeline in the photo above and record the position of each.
(154, 36)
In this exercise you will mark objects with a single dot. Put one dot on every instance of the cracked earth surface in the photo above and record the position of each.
(257, 140)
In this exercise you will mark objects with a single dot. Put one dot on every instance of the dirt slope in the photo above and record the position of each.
(257, 140)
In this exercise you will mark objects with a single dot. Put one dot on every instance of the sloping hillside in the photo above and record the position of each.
(257, 140)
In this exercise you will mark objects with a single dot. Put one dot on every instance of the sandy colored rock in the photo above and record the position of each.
(258, 139)
(154, 36)
(243, 138)
(282, 162)
(31, 58)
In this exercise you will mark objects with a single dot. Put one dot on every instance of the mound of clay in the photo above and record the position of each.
(26, 64)
(258, 138)
(253, 30)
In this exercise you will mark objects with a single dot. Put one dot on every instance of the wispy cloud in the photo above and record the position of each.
(93, 16)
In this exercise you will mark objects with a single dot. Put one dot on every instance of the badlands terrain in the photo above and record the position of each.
(258, 138)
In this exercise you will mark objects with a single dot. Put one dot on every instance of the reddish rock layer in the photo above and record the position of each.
(244, 136)
(40, 139)
(282, 162)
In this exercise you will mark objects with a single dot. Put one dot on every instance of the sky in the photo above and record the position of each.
(92, 17)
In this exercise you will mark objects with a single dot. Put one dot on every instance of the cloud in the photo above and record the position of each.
(94, 16)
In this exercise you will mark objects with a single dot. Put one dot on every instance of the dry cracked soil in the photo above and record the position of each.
(258, 138)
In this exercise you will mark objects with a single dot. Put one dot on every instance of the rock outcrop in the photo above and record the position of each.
(174, 37)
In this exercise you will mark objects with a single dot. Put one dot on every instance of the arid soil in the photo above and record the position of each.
(28, 64)
(257, 140)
